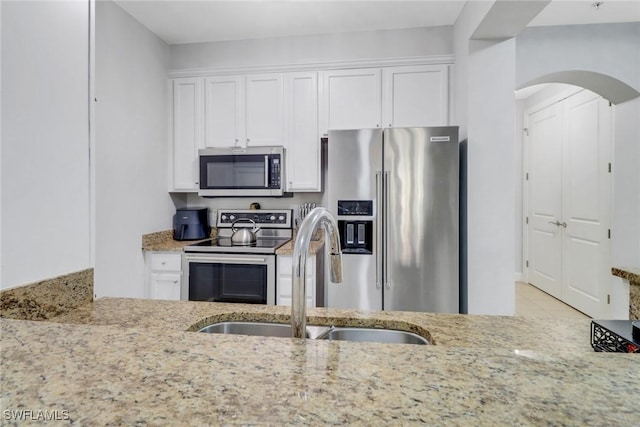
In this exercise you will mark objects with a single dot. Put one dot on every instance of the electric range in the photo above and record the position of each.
(219, 270)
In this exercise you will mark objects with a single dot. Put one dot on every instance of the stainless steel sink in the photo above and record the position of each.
(316, 332)
(261, 329)
(389, 336)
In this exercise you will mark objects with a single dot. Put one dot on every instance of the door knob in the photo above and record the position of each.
(558, 223)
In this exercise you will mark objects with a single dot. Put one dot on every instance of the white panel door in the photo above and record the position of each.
(416, 96)
(263, 110)
(187, 132)
(223, 111)
(586, 202)
(545, 199)
(301, 132)
(352, 99)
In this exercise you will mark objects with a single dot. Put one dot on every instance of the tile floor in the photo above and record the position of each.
(532, 302)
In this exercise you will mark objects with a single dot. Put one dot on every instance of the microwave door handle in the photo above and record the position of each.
(266, 171)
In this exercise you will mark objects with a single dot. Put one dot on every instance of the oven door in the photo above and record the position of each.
(239, 278)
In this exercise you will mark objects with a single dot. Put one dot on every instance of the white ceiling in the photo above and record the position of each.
(188, 21)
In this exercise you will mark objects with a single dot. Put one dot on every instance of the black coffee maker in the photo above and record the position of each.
(191, 224)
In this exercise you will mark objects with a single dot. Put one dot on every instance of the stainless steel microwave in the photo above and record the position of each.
(237, 171)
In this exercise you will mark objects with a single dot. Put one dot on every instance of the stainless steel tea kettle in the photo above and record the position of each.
(244, 236)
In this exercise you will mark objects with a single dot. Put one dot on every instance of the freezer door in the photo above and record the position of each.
(354, 173)
(421, 267)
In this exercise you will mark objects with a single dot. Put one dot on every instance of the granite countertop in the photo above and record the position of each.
(315, 246)
(632, 274)
(162, 241)
(126, 361)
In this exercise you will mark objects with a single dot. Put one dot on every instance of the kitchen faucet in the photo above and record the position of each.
(318, 216)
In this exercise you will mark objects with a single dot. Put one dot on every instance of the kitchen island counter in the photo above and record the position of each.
(125, 361)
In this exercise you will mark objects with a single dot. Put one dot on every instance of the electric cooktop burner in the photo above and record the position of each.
(274, 230)
(223, 244)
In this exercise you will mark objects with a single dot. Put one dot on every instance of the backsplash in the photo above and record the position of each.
(216, 203)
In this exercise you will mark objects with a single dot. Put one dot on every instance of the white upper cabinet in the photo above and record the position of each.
(243, 110)
(223, 111)
(352, 99)
(187, 125)
(263, 110)
(416, 96)
(294, 109)
(302, 140)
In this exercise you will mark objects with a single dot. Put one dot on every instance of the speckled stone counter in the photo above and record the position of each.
(287, 249)
(631, 275)
(129, 362)
(162, 241)
(457, 330)
(48, 298)
(315, 245)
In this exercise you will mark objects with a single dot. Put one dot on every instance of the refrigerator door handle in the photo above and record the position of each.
(386, 229)
(378, 229)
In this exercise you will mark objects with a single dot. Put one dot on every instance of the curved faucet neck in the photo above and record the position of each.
(317, 217)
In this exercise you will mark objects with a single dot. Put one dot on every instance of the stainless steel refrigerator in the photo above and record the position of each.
(395, 194)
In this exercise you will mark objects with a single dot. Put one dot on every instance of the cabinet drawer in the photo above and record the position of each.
(165, 262)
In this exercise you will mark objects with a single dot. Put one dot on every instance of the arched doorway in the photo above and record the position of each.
(576, 178)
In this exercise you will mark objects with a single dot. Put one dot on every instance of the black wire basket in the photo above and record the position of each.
(614, 336)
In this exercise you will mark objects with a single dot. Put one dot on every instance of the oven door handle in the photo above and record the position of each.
(214, 258)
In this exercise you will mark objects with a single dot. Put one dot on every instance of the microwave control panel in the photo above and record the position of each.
(274, 176)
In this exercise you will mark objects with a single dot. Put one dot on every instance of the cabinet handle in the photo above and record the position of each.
(389, 124)
(378, 126)
(163, 262)
(248, 140)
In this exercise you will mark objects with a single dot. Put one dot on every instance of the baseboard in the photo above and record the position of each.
(518, 276)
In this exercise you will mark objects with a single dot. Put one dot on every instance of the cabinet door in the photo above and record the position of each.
(301, 132)
(187, 132)
(223, 111)
(284, 284)
(352, 99)
(165, 286)
(263, 110)
(416, 96)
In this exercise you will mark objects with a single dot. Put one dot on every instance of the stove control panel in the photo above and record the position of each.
(280, 218)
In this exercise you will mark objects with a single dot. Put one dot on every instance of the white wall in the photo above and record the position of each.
(518, 164)
(485, 112)
(610, 49)
(131, 154)
(625, 245)
(626, 178)
(45, 140)
(313, 49)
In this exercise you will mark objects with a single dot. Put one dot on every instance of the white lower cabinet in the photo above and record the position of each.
(163, 275)
(315, 280)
